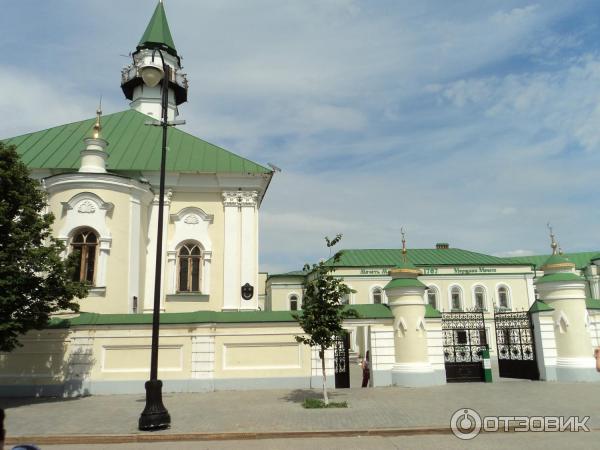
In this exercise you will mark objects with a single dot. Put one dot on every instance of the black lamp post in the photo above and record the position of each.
(155, 416)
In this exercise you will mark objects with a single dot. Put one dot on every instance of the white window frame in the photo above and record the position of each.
(461, 297)
(298, 300)
(437, 296)
(350, 299)
(372, 295)
(485, 296)
(508, 306)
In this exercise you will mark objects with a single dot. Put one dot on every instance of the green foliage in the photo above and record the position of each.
(315, 403)
(322, 310)
(34, 281)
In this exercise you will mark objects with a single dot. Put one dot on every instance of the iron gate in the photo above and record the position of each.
(464, 342)
(516, 345)
(341, 361)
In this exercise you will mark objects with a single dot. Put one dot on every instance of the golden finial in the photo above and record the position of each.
(403, 244)
(97, 125)
(553, 243)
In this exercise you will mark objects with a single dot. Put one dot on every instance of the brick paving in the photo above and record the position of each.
(280, 410)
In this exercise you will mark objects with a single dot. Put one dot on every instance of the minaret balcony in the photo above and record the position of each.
(131, 78)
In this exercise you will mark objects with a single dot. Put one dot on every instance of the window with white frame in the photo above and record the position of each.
(456, 298)
(345, 300)
(294, 303)
(377, 294)
(432, 296)
(84, 244)
(189, 263)
(503, 297)
(479, 298)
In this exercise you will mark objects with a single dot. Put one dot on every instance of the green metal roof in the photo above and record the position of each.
(539, 306)
(92, 319)
(404, 282)
(554, 277)
(431, 312)
(580, 259)
(132, 146)
(157, 32)
(592, 303)
(418, 257)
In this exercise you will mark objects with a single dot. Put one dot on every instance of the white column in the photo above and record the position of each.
(249, 248)
(232, 251)
(530, 290)
(207, 258)
(134, 251)
(148, 298)
(171, 271)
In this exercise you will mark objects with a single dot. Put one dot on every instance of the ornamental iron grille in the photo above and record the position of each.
(464, 343)
(341, 360)
(516, 345)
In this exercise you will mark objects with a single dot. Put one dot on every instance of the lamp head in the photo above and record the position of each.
(152, 73)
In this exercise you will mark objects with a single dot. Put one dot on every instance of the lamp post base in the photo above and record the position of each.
(155, 416)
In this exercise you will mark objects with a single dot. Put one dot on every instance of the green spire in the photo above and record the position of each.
(157, 32)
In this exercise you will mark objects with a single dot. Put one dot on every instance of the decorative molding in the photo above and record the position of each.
(562, 322)
(87, 203)
(240, 198)
(86, 207)
(191, 216)
(191, 219)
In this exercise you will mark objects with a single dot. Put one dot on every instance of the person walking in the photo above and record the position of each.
(366, 368)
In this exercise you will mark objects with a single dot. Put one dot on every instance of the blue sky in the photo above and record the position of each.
(470, 122)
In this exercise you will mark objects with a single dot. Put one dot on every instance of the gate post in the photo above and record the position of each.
(563, 290)
(545, 341)
(405, 296)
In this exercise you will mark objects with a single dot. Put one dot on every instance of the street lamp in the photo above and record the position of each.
(155, 416)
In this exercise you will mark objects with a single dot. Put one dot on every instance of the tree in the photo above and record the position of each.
(34, 280)
(322, 310)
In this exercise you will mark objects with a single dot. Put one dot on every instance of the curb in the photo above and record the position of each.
(175, 437)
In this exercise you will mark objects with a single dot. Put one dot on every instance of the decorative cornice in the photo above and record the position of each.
(240, 198)
(192, 216)
(87, 203)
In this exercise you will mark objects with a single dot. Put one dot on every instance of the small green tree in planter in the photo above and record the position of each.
(322, 310)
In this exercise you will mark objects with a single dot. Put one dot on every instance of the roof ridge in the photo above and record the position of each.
(61, 125)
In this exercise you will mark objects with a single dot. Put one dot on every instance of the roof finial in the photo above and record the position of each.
(97, 125)
(403, 244)
(553, 243)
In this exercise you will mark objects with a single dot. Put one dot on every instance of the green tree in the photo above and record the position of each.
(322, 310)
(34, 280)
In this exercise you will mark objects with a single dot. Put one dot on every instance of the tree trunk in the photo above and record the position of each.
(322, 355)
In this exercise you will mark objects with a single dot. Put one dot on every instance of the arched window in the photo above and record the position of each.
(456, 298)
(85, 244)
(189, 259)
(377, 294)
(432, 296)
(479, 297)
(294, 302)
(503, 297)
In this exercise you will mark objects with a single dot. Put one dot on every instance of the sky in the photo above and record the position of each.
(468, 122)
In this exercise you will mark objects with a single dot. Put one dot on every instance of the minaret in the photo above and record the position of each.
(93, 156)
(563, 290)
(405, 295)
(144, 98)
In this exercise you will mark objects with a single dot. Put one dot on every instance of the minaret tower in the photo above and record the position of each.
(144, 98)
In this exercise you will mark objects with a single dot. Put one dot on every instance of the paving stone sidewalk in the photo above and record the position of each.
(281, 411)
